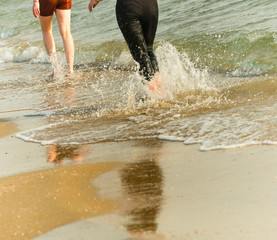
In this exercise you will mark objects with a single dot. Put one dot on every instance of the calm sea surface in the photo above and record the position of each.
(218, 68)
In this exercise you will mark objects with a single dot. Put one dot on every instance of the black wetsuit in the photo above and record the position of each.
(138, 20)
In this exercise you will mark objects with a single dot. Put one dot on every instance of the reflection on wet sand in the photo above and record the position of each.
(58, 153)
(142, 183)
(66, 95)
(37, 202)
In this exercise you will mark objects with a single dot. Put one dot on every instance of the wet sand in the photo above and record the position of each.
(147, 189)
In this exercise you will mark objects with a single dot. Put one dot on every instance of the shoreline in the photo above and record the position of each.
(144, 189)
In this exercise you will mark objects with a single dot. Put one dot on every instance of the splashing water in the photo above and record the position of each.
(218, 77)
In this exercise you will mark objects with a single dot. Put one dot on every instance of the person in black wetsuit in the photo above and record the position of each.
(138, 20)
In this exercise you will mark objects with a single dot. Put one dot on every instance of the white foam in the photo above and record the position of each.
(171, 138)
(227, 130)
(30, 135)
(18, 54)
(232, 146)
(208, 145)
(6, 54)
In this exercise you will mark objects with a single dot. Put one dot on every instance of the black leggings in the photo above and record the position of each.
(138, 20)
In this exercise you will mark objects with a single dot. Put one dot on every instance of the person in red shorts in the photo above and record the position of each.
(44, 9)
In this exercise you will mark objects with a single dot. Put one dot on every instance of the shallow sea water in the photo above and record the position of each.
(218, 76)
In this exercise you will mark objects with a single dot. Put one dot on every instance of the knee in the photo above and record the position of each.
(65, 34)
(46, 31)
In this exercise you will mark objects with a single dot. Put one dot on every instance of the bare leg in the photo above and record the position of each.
(46, 28)
(64, 18)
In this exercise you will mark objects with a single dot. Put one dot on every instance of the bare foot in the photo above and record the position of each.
(154, 85)
(69, 74)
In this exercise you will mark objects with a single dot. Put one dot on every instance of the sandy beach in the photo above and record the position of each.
(99, 155)
(147, 189)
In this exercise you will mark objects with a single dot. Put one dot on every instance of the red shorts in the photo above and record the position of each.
(48, 7)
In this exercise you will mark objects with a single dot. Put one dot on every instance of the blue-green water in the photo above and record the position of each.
(218, 73)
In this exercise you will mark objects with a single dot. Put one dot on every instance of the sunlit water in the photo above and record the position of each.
(218, 76)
